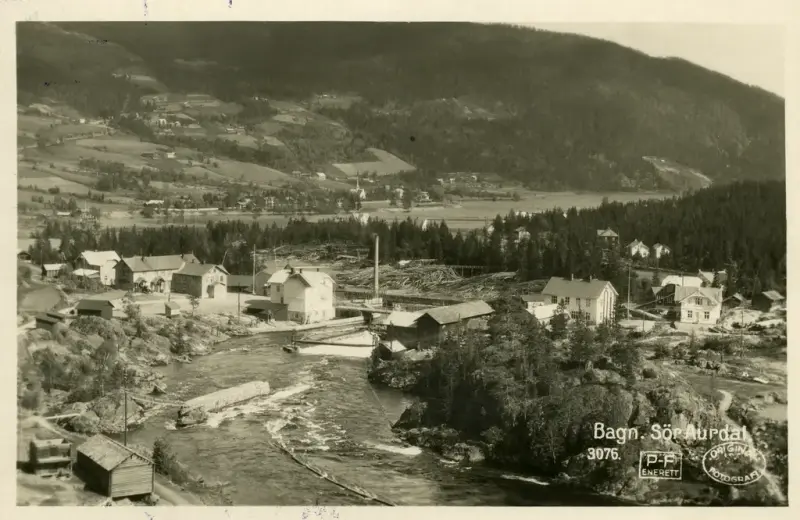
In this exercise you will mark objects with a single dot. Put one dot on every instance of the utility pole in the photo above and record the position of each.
(239, 305)
(629, 290)
(125, 398)
(254, 268)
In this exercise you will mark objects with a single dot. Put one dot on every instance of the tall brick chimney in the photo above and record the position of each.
(377, 266)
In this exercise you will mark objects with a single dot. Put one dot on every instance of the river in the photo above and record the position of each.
(323, 408)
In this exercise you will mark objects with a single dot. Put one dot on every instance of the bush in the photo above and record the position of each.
(31, 399)
(166, 462)
(662, 351)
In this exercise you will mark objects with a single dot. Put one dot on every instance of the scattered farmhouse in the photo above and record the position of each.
(434, 324)
(114, 470)
(692, 304)
(767, 301)
(637, 248)
(201, 280)
(608, 235)
(593, 300)
(150, 273)
(103, 263)
(320, 176)
(660, 250)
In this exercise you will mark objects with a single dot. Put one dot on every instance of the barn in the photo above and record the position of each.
(114, 470)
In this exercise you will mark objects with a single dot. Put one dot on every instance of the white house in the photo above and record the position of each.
(637, 247)
(592, 299)
(104, 262)
(308, 295)
(701, 305)
(660, 250)
(321, 176)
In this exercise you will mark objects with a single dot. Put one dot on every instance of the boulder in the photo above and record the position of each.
(88, 423)
(190, 416)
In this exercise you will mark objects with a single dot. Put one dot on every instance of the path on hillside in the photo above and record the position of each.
(773, 486)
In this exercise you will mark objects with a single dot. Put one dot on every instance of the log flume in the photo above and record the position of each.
(347, 487)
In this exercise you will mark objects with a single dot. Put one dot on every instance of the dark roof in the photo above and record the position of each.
(140, 264)
(191, 269)
(538, 297)
(57, 315)
(240, 280)
(172, 305)
(47, 319)
(93, 305)
(107, 453)
(564, 288)
(458, 312)
(773, 295)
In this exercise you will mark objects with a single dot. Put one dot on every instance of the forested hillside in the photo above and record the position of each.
(551, 110)
(741, 227)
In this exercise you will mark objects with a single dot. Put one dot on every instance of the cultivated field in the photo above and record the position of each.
(119, 144)
(45, 183)
(247, 172)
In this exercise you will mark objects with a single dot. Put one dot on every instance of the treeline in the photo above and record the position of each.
(552, 110)
(739, 227)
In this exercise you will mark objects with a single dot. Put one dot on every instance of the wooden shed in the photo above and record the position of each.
(114, 470)
(767, 301)
(100, 308)
(49, 321)
(434, 324)
(171, 309)
(47, 457)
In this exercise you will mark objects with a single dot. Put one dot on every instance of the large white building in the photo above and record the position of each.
(307, 295)
(592, 299)
(702, 305)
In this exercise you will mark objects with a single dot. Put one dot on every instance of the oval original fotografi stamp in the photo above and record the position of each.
(734, 463)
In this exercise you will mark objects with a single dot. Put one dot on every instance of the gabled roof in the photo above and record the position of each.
(88, 273)
(312, 278)
(458, 312)
(685, 281)
(99, 258)
(637, 243)
(93, 305)
(402, 318)
(53, 267)
(192, 269)
(708, 276)
(140, 264)
(773, 295)
(712, 293)
(279, 276)
(106, 453)
(608, 232)
(563, 288)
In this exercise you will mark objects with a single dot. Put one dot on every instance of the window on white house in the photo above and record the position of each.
(578, 302)
(707, 315)
(688, 314)
(566, 300)
(554, 299)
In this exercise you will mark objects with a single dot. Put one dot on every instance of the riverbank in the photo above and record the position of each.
(476, 401)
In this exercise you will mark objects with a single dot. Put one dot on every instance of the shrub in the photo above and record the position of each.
(166, 462)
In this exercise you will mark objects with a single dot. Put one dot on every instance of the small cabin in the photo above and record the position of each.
(171, 309)
(100, 308)
(114, 470)
(48, 457)
(50, 321)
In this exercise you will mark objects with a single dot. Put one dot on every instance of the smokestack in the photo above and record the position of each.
(377, 264)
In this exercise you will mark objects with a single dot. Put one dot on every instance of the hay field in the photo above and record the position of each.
(247, 141)
(72, 154)
(248, 172)
(119, 144)
(32, 124)
(45, 183)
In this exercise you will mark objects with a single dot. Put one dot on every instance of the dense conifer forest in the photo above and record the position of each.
(739, 227)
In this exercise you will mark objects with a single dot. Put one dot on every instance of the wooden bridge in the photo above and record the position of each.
(357, 308)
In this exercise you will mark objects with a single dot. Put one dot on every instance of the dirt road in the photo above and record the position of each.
(773, 486)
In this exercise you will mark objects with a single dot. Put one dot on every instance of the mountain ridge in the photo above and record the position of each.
(577, 112)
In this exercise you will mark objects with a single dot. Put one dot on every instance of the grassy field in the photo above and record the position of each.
(248, 141)
(52, 181)
(119, 144)
(247, 172)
